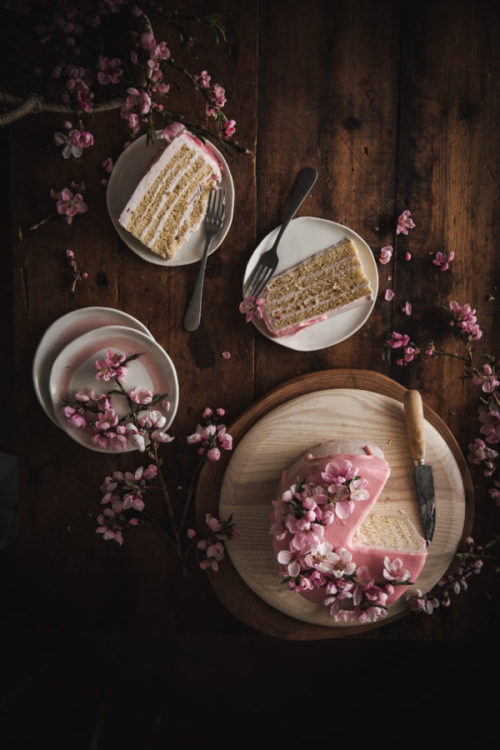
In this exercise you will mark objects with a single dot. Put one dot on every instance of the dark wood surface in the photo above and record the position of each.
(396, 104)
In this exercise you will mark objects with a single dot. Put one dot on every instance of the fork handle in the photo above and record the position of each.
(193, 313)
(305, 181)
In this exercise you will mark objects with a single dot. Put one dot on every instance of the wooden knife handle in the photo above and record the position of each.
(415, 424)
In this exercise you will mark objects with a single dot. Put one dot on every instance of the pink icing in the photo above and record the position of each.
(340, 533)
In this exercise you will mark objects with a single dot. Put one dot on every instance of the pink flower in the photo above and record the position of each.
(407, 256)
(406, 308)
(397, 340)
(141, 395)
(430, 349)
(466, 319)
(389, 295)
(111, 367)
(487, 380)
(108, 165)
(409, 354)
(252, 307)
(172, 131)
(213, 454)
(394, 570)
(204, 79)
(443, 260)
(213, 523)
(229, 128)
(219, 95)
(67, 204)
(405, 222)
(226, 355)
(385, 255)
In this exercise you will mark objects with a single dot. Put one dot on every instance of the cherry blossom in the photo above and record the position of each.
(398, 340)
(465, 317)
(405, 222)
(385, 254)
(487, 379)
(443, 260)
(68, 204)
(389, 295)
(111, 367)
(252, 308)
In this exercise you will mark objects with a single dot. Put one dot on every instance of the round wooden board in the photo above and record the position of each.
(333, 404)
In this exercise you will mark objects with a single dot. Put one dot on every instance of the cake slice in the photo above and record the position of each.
(170, 201)
(333, 544)
(329, 282)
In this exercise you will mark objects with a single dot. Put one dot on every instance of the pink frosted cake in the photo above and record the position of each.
(332, 545)
(329, 282)
(170, 201)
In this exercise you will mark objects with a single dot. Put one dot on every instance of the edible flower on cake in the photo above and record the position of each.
(331, 545)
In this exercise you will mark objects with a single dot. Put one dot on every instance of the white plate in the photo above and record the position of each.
(61, 332)
(74, 369)
(122, 183)
(304, 237)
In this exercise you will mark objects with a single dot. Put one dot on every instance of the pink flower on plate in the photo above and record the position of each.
(252, 308)
(291, 560)
(405, 222)
(443, 260)
(385, 254)
(339, 471)
(68, 204)
(111, 367)
(141, 395)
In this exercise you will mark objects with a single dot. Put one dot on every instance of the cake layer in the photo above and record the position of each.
(327, 283)
(170, 201)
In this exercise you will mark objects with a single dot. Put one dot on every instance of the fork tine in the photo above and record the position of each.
(263, 283)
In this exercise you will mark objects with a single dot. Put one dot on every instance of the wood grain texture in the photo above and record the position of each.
(280, 427)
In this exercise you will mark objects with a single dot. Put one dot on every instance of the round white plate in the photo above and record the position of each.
(61, 332)
(74, 369)
(302, 238)
(122, 183)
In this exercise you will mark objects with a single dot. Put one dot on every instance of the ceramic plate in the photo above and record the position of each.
(124, 178)
(61, 333)
(74, 369)
(305, 236)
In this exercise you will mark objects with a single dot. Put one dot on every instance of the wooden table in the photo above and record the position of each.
(396, 104)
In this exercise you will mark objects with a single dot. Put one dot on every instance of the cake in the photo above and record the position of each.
(329, 282)
(332, 544)
(170, 201)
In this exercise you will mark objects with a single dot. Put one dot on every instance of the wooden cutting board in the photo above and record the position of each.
(268, 437)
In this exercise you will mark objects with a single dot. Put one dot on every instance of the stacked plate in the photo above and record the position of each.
(65, 363)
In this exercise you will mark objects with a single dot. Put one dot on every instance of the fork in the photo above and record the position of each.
(268, 261)
(214, 218)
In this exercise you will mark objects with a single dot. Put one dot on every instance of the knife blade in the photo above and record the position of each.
(415, 426)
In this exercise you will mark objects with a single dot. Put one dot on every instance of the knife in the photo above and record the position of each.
(415, 425)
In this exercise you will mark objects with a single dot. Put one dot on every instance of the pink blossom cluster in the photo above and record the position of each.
(482, 454)
(487, 379)
(111, 367)
(300, 517)
(95, 411)
(216, 96)
(443, 260)
(252, 308)
(405, 222)
(465, 318)
(402, 341)
(489, 417)
(123, 501)
(149, 425)
(210, 546)
(74, 141)
(77, 86)
(471, 563)
(385, 254)
(210, 435)
(137, 105)
(68, 204)
(77, 274)
(157, 52)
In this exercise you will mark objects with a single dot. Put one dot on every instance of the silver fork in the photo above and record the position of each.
(214, 218)
(268, 261)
